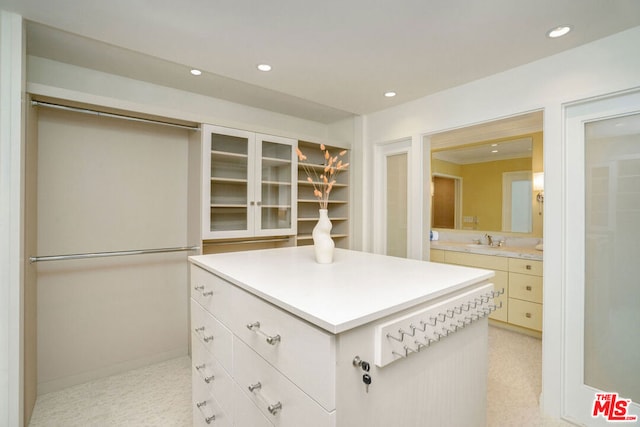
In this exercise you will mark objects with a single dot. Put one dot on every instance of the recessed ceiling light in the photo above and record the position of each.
(196, 72)
(390, 94)
(494, 151)
(494, 145)
(264, 67)
(558, 31)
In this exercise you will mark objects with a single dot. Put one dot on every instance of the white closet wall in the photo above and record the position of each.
(107, 184)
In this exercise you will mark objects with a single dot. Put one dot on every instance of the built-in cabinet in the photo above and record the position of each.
(520, 278)
(249, 184)
(308, 205)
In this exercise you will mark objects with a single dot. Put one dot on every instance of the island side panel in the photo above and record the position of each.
(442, 385)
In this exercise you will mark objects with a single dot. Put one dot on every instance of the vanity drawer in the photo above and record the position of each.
(525, 266)
(211, 375)
(525, 313)
(245, 413)
(293, 346)
(280, 400)
(474, 260)
(500, 282)
(212, 293)
(213, 335)
(525, 287)
(206, 410)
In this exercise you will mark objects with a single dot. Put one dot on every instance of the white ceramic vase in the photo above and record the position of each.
(322, 242)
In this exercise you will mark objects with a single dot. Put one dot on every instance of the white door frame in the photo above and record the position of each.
(381, 152)
(577, 398)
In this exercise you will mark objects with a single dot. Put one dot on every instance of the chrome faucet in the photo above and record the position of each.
(489, 239)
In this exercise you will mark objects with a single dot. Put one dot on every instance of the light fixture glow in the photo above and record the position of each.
(494, 151)
(196, 72)
(558, 31)
(494, 145)
(390, 94)
(264, 67)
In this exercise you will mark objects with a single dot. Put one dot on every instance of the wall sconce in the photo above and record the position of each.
(433, 189)
(538, 185)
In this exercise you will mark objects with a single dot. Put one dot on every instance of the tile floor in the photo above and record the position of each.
(160, 395)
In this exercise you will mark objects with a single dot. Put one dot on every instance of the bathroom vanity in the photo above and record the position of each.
(368, 340)
(518, 271)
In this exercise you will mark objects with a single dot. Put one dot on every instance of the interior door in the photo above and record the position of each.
(602, 308)
(392, 209)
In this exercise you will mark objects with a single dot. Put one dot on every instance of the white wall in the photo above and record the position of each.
(11, 230)
(601, 67)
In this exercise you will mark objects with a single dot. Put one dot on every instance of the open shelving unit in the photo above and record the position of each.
(308, 204)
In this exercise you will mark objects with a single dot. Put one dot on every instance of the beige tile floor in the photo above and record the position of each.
(160, 395)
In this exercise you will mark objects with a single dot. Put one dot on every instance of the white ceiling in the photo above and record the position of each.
(331, 59)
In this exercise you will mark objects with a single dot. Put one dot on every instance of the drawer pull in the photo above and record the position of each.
(528, 315)
(528, 267)
(271, 339)
(201, 290)
(528, 288)
(256, 386)
(273, 409)
(204, 378)
(205, 338)
(199, 405)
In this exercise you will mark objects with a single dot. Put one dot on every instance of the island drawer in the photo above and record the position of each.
(525, 287)
(206, 410)
(280, 400)
(213, 335)
(211, 375)
(245, 413)
(212, 293)
(293, 346)
(525, 313)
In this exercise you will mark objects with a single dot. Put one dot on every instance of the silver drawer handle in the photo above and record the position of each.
(199, 405)
(205, 338)
(271, 339)
(253, 387)
(273, 409)
(204, 378)
(201, 290)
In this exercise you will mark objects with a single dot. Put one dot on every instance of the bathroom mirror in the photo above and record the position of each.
(486, 185)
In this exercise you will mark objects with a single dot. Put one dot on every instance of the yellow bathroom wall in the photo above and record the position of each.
(482, 190)
(445, 168)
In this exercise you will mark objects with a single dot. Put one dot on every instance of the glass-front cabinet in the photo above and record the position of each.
(248, 184)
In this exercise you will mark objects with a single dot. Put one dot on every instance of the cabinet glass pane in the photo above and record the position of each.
(275, 218)
(229, 182)
(612, 294)
(228, 218)
(276, 185)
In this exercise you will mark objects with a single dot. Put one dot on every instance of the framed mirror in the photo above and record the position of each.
(487, 185)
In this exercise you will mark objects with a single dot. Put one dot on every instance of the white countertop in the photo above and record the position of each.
(357, 288)
(505, 251)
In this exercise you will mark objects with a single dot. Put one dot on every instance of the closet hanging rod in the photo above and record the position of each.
(110, 254)
(113, 115)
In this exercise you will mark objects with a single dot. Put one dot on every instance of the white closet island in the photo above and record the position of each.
(281, 340)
